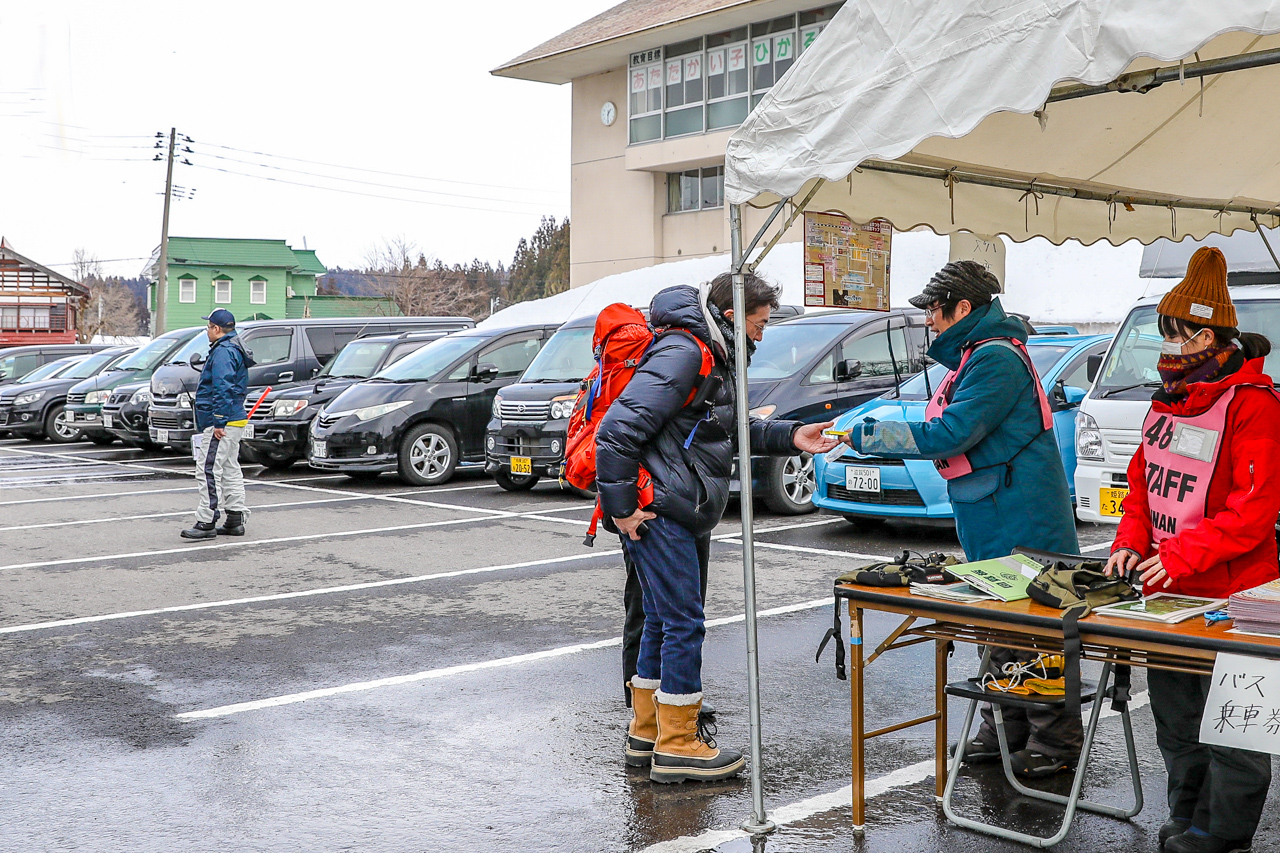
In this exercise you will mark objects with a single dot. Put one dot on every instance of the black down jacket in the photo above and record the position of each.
(648, 424)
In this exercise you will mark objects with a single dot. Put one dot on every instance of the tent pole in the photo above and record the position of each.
(759, 822)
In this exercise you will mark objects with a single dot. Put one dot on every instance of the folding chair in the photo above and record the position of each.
(1089, 692)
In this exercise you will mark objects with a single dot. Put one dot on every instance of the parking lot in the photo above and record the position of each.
(384, 668)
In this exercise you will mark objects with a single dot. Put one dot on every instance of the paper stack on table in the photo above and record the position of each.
(1257, 610)
(951, 592)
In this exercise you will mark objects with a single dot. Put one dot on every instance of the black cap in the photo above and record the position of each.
(959, 280)
(221, 317)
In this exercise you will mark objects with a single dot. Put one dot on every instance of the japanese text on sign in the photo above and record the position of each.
(1243, 707)
(846, 265)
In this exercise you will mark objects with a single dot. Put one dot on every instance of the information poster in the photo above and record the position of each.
(1243, 707)
(846, 265)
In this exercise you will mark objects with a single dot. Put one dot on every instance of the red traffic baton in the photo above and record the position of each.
(259, 403)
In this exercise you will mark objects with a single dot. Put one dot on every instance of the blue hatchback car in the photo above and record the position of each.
(868, 488)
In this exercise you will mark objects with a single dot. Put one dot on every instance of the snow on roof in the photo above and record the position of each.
(1051, 284)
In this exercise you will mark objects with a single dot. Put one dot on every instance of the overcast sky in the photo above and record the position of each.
(391, 87)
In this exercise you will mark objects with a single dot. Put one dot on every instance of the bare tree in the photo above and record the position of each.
(400, 271)
(110, 309)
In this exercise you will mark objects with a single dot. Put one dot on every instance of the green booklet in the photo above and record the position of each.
(1006, 578)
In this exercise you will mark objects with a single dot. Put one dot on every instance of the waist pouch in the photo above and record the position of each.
(1075, 586)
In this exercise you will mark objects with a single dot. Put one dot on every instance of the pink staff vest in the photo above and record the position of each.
(958, 466)
(1181, 453)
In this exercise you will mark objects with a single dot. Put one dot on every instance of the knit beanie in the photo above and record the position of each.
(1202, 296)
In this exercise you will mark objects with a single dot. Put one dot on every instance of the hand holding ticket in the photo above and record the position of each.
(842, 435)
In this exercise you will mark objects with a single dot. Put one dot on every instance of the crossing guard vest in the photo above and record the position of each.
(958, 466)
(1181, 453)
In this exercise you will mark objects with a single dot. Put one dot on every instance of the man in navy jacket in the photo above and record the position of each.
(220, 423)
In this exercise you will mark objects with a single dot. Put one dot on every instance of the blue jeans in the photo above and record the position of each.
(669, 560)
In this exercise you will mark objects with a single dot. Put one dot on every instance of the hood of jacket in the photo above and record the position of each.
(1202, 395)
(981, 324)
(685, 307)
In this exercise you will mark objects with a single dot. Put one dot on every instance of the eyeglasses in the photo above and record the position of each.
(931, 310)
(759, 327)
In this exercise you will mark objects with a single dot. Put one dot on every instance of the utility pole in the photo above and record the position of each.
(162, 275)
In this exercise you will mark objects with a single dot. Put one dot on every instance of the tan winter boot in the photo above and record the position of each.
(683, 751)
(643, 730)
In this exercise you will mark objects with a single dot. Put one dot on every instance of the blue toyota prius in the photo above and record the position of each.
(868, 488)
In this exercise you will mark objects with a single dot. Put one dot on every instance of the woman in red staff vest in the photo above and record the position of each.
(1200, 519)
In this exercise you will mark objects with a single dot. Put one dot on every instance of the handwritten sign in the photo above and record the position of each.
(846, 265)
(1243, 708)
(988, 251)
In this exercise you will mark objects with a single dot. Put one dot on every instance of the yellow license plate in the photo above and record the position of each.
(521, 465)
(1109, 501)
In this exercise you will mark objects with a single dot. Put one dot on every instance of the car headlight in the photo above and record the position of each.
(1088, 438)
(184, 400)
(142, 395)
(763, 411)
(96, 397)
(497, 407)
(287, 408)
(29, 397)
(562, 407)
(368, 413)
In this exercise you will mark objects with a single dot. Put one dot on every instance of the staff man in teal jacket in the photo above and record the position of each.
(1016, 493)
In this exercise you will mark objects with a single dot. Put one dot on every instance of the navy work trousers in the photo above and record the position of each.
(670, 564)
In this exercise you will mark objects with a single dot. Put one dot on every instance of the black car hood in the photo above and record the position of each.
(539, 392)
(314, 391)
(57, 386)
(759, 392)
(173, 379)
(372, 393)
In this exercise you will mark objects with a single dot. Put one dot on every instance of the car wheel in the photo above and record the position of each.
(428, 455)
(515, 482)
(864, 522)
(588, 494)
(102, 439)
(790, 485)
(56, 427)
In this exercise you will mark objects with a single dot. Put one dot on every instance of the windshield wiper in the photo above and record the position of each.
(1113, 391)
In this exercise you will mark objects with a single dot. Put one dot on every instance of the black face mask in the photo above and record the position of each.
(726, 329)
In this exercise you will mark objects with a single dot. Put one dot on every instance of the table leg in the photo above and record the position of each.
(858, 718)
(941, 648)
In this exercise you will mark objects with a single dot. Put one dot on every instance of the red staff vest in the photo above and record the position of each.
(958, 466)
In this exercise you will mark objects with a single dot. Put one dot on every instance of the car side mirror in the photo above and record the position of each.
(485, 372)
(1091, 365)
(848, 369)
(1067, 396)
(197, 359)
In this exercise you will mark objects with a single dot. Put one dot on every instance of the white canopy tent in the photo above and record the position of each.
(1069, 119)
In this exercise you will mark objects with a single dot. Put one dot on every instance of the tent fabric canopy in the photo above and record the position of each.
(951, 92)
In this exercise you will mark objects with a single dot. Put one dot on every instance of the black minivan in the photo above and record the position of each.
(284, 351)
(426, 413)
(279, 431)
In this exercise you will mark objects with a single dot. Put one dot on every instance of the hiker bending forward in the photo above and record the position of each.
(989, 429)
(683, 436)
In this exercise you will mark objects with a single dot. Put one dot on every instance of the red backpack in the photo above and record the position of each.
(622, 337)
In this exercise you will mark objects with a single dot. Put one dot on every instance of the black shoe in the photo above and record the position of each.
(1173, 826)
(1035, 765)
(978, 752)
(233, 526)
(1190, 842)
(202, 530)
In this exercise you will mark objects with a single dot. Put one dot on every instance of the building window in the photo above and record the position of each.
(645, 102)
(258, 292)
(186, 290)
(696, 189)
(222, 291)
(33, 318)
(712, 83)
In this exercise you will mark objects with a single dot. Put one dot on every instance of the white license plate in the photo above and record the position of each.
(162, 436)
(859, 479)
(106, 421)
(319, 449)
(248, 431)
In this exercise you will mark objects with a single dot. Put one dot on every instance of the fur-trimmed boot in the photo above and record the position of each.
(643, 730)
(685, 750)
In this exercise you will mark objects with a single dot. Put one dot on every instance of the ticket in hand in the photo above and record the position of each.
(836, 433)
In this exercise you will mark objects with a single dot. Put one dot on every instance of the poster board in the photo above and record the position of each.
(986, 250)
(1243, 706)
(846, 265)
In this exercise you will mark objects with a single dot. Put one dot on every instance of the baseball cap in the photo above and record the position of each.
(221, 317)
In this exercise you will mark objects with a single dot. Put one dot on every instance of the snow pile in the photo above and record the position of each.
(1051, 284)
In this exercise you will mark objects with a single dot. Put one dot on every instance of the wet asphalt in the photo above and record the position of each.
(383, 668)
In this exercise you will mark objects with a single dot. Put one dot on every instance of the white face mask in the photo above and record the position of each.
(1174, 348)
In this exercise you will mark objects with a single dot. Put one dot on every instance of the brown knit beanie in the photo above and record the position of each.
(1202, 296)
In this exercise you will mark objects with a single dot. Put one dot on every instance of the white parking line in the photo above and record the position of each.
(161, 515)
(280, 596)
(97, 495)
(1097, 547)
(800, 549)
(443, 672)
(838, 799)
(69, 478)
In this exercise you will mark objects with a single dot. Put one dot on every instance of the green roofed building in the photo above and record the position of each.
(253, 279)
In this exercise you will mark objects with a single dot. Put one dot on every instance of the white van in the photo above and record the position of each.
(1109, 422)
